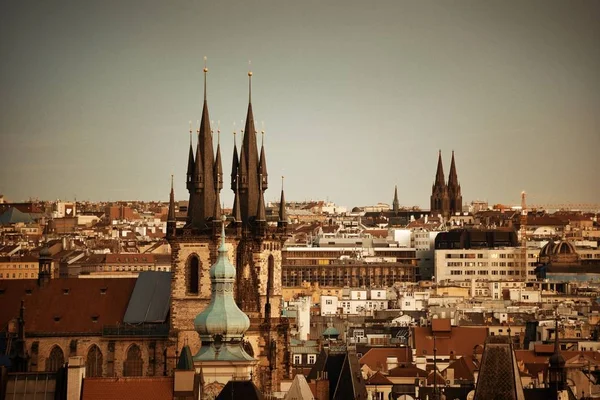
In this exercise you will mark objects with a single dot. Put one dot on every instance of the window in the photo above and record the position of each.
(329, 302)
(133, 364)
(297, 358)
(93, 363)
(312, 358)
(55, 360)
(193, 274)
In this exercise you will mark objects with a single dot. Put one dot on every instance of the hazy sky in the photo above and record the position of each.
(356, 97)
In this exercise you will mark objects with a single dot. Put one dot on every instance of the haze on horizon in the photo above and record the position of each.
(356, 97)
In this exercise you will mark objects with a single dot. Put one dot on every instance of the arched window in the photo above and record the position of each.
(93, 362)
(55, 360)
(271, 276)
(133, 364)
(193, 274)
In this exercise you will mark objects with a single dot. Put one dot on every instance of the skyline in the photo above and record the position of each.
(96, 100)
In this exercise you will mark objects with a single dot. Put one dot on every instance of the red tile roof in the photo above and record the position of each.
(441, 325)
(378, 379)
(460, 340)
(139, 388)
(66, 305)
(410, 371)
(376, 357)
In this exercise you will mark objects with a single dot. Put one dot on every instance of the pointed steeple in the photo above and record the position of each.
(557, 374)
(249, 166)
(439, 175)
(262, 163)
(204, 184)
(171, 215)
(218, 166)
(234, 164)
(395, 203)
(452, 177)
(191, 163)
(454, 193)
(282, 212)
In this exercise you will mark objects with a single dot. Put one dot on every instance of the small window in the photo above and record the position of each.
(56, 318)
(103, 290)
(65, 291)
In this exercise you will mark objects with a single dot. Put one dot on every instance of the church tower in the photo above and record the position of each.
(440, 200)
(253, 247)
(454, 193)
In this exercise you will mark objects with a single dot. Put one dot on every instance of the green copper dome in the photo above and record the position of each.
(222, 320)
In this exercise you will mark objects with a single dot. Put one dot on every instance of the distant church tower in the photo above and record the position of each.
(440, 201)
(454, 193)
(253, 247)
(446, 199)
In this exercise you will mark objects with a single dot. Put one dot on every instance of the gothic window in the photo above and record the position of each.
(93, 363)
(193, 274)
(55, 360)
(133, 363)
(271, 276)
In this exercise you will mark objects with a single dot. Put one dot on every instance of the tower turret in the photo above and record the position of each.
(395, 203)
(440, 202)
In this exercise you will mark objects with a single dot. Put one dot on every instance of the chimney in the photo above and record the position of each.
(75, 375)
(450, 376)
(392, 362)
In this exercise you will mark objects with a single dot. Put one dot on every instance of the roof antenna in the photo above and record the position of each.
(205, 72)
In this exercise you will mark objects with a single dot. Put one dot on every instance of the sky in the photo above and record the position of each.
(355, 96)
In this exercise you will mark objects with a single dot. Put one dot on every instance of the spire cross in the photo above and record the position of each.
(205, 72)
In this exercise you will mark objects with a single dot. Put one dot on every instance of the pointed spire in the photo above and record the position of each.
(190, 168)
(396, 203)
(217, 210)
(234, 164)
(205, 72)
(249, 82)
(262, 164)
(282, 211)
(171, 216)
(439, 175)
(452, 177)
(218, 166)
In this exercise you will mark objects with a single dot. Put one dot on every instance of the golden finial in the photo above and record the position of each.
(205, 71)
(282, 177)
(205, 68)
(198, 124)
(218, 131)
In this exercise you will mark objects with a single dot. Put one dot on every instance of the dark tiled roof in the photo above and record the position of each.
(245, 390)
(376, 357)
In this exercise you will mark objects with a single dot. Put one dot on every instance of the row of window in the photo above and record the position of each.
(312, 358)
(19, 275)
(19, 266)
(494, 272)
(132, 366)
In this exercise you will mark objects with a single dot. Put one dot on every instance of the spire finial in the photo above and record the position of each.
(249, 81)
(190, 132)
(205, 72)
(219, 132)
(282, 178)
(171, 182)
(198, 129)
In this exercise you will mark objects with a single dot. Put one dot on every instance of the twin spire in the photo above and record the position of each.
(446, 199)
(204, 178)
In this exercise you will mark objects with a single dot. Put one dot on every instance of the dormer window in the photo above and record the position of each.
(56, 318)
(66, 291)
(95, 318)
(103, 290)
(28, 291)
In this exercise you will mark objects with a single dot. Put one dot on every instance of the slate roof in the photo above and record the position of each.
(138, 388)
(239, 390)
(14, 216)
(66, 305)
(149, 301)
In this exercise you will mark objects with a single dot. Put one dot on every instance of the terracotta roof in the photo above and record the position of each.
(438, 378)
(441, 325)
(66, 305)
(460, 340)
(378, 379)
(376, 357)
(464, 368)
(142, 388)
